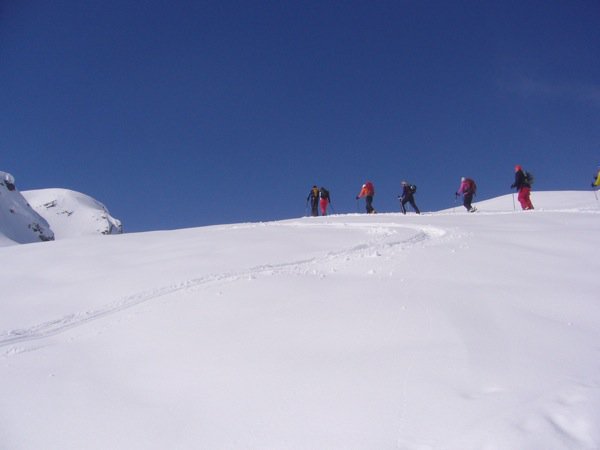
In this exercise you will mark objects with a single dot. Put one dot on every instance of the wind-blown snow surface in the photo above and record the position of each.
(442, 331)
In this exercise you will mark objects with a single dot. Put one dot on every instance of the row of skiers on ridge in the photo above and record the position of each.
(320, 198)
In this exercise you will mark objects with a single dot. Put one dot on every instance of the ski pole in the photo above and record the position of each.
(513, 197)
(332, 208)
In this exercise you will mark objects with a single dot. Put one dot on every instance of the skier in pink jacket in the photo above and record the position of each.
(467, 189)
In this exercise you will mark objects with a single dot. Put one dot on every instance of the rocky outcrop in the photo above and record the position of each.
(19, 223)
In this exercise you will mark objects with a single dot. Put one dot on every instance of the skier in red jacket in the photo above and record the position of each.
(367, 191)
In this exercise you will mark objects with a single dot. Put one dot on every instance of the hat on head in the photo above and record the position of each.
(462, 178)
(518, 167)
(404, 183)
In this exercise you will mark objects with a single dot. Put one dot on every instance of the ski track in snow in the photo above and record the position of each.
(379, 245)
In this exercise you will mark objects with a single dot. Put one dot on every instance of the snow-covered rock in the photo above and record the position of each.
(72, 214)
(19, 223)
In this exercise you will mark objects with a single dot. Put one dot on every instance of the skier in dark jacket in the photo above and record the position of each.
(467, 189)
(523, 186)
(313, 197)
(408, 196)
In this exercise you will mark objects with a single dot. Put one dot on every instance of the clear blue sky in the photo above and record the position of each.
(178, 113)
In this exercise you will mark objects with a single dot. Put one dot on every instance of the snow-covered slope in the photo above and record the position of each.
(448, 330)
(546, 201)
(19, 223)
(72, 214)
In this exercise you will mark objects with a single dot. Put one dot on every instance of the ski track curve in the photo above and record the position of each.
(379, 245)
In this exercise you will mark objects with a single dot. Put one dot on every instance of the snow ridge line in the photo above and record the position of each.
(70, 321)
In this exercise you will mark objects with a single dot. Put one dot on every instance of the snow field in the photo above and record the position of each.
(443, 331)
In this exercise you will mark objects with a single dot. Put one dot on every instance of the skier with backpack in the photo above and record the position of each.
(408, 196)
(523, 182)
(325, 200)
(467, 189)
(313, 197)
(368, 192)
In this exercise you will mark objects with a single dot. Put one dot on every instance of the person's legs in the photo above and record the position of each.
(402, 207)
(369, 203)
(323, 206)
(467, 200)
(529, 204)
(524, 198)
(414, 205)
(314, 207)
(521, 198)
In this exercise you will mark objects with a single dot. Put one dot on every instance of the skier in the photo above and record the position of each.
(596, 182)
(325, 200)
(367, 191)
(313, 196)
(522, 183)
(408, 192)
(467, 189)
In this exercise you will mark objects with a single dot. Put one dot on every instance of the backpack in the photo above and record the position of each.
(529, 178)
(472, 186)
(324, 193)
(412, 188)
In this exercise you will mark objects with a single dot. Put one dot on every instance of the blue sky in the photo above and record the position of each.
(186, 113)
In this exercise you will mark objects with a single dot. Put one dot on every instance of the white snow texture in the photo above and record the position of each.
(72, 214)
(447, 330)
